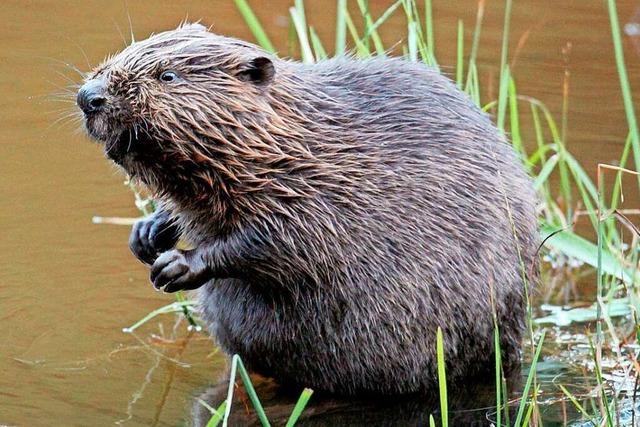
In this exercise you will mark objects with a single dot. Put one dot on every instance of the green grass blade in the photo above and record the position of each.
(232, 381)
(475, 44)
(527, 417)
(502, 98)
(187, 310)
(369, 31)
(624, 81)
(427, 53)
(254, 25)
(383, 18)
(318, 48)
(505, 402)
(428, 18)
(581, 176)
(237, 365)
(540, 154)
(299, 5)
(505, 38)
(412, 42)
(361, 49)
(504, 68)
(540, 140)
(566, 188)
(341, 28)
(300, 405)
(498, 369)
(460, 54)
(617, 186)
(174, 307)
(292, 38)
(546, 170)
(253, 397)
(577, 405)
(602, 393)
(473, 86)
(218, 414)
(417, 45)
(442, 379)
(300, 23)
(600, 271)
(514, 120)
(581, 249)
(582, 185)
(530, 377)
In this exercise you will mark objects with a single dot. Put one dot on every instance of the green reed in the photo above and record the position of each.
(442, 379)
(223, 412)
(624, 82)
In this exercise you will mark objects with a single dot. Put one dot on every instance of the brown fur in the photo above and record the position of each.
(340, 212)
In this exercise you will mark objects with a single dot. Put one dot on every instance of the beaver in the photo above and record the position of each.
(338, 213)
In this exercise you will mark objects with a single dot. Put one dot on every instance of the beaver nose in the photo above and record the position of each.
(91, 97)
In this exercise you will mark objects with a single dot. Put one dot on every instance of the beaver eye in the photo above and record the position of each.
(168, 76)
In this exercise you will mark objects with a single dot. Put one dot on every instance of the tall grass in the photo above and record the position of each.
(442, 379)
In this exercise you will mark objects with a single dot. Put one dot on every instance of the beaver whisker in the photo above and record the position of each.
(66, 65)
(64, 119)
(130, 138)
(110, 145)
(72, 83)
(64, 100)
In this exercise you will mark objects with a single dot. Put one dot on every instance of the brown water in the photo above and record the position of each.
(68, 287)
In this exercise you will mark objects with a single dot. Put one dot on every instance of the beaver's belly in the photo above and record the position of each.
(338, 348)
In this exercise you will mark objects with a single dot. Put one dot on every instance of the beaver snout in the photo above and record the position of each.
(91, 96)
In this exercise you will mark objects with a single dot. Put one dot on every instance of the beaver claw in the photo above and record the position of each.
(153, 235)
(179, 270)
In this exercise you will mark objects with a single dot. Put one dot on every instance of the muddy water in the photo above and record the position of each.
(68, 287)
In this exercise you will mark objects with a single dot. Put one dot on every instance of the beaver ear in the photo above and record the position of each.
(259, 70)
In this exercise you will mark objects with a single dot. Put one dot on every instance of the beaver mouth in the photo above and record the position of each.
(123, 144)
(120, 141)
(128, 146)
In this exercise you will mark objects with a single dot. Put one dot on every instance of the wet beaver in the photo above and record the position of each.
(339, 213)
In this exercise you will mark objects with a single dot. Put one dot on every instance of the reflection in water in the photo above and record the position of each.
(179, 344)
(139, 392)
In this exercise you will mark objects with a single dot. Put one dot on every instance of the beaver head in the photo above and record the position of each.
(194, 115)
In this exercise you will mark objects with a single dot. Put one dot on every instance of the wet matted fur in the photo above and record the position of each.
(339, 212)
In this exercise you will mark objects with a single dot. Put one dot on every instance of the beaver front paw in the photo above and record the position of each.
(179, 270)
(153, 235)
